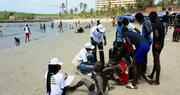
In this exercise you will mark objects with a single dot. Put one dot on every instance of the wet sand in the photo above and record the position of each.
(23, 68)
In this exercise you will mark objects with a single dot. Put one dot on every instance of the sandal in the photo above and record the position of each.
(130, 86)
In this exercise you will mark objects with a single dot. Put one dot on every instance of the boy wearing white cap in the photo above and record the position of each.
(98, 33)
(86, 59)
(55, 81)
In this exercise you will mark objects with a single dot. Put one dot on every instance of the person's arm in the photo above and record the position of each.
(148, 28)
(116, 36)
(88, 63)
(29, 30)
(104, 40)
(137, 30)
(156, 39)
(130, 44)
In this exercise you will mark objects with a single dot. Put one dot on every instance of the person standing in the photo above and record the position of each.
(157, 46)
(165, 19)
(146, 33)
(98, 33)
(142, 48)
(27, 32)
(118, 32)
(44, 28)
(61, 26)
(52, 25)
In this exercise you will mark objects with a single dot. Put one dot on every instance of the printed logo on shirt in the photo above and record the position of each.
(53, 82)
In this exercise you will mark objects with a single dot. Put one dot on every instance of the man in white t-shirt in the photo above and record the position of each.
(55, 81)
(98, 33)
(27, 32)
(86, 59)
(130, 26)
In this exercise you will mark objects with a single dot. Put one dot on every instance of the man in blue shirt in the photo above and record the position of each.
(146, 32)
(165, 19)
(142, 48)
(118, 32)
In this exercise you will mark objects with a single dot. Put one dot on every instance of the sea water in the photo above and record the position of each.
(10, 30)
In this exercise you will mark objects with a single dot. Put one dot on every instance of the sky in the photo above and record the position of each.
(42, 6)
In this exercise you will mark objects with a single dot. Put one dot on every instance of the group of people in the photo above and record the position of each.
(127, 58)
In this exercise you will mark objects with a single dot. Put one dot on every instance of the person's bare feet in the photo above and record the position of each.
(150, 81)
(156, 83)
(150, 76)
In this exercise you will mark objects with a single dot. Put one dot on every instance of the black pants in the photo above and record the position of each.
(101, 52)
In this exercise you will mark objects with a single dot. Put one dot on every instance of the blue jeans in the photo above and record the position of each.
(85, 68)
(166, 27)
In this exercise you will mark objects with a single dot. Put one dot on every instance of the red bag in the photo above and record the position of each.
(123, 75)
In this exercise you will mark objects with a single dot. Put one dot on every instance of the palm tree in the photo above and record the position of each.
(63, 6)
(71, 11)
(75, 10)
(91, 11)
(85, 7)
(81, 6)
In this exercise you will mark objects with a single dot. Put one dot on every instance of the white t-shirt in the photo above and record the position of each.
(57, 83)
(82, 55)
(130, 27)
(97, 37)
(26, 29)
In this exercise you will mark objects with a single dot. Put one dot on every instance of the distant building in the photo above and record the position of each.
(99, 4)
(159, 9)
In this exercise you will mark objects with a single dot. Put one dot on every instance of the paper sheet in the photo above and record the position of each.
(69, 80)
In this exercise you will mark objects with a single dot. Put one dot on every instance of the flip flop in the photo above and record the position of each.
(130, 86)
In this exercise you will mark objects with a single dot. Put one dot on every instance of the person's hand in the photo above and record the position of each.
(105, 43)
(158, 45)
(146, 36)
(66, 75)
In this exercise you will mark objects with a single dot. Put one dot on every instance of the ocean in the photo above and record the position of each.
(8, 31)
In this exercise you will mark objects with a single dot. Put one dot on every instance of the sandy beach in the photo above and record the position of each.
(23, 68)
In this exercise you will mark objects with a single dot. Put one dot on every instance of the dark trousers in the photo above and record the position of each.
(101, 52)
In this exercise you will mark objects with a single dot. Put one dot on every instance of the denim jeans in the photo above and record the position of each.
(166, 27)
(85, 68)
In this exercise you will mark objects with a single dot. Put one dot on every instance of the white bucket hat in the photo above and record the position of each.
(101, 28)
(89, 46)
(55, 61)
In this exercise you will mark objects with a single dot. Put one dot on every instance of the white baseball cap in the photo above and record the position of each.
(89, 46)
(55, 61)
(101, 28)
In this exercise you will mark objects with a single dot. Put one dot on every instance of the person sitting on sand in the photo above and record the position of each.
(55, 81)
(142, 48)
(100, 76)
(17, 41)
(113, 52)
(27, 31)
(80, 30)
(86, 59)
